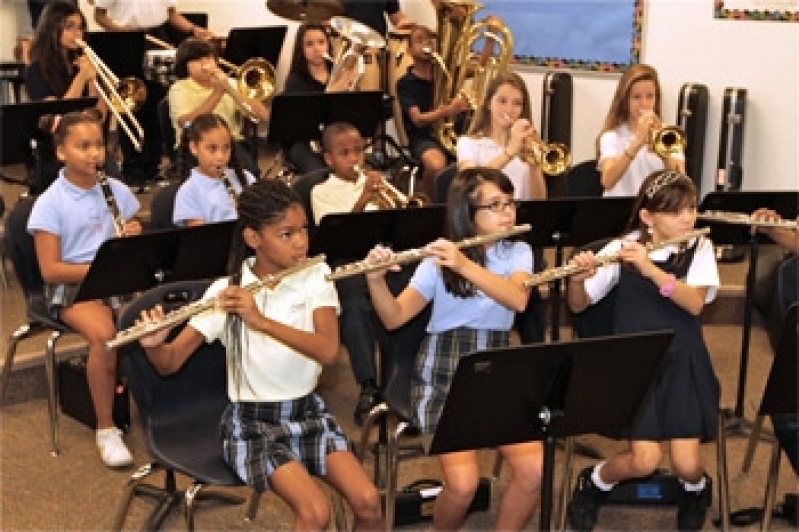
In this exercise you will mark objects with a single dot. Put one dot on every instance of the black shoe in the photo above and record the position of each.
(368, 399)
(692, 507)
(586, 500)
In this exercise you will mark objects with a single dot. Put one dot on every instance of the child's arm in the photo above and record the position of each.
(48, 254)
(509, 292)
(168, 358)
(426, 118)
(612, 168)
(321, 344)
(182, 113)
(787, 238)
(577, 296)
(393, 312)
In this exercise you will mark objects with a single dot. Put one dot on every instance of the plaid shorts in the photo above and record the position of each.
(435, 367)
(258, 438)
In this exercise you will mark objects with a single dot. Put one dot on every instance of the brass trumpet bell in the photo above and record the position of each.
(554, 158)
(668, 141)
(256, 79)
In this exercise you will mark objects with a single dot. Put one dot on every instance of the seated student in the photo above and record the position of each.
(211, 188)
(276, 432)
(202, 88)
(69, 222)
(415, 94)
(348, 191)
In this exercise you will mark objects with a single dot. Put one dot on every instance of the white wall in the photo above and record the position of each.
(681, 39)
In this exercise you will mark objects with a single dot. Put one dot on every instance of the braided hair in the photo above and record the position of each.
(262, 203)
(193, 132)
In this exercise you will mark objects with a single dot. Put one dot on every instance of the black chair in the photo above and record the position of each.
(3, 252)
(302, 185)
(162, 207)
(583, 180)
(21, 250)
(167, 130)
(180, 415)
(779, 398)
(443, 181)
(785, 294)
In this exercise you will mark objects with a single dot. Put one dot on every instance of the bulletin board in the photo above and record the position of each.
(598, 35)
(776, 10)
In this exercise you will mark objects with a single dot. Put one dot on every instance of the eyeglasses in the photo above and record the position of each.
(499, 206)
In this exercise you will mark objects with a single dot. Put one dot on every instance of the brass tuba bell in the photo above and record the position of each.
(668, 141)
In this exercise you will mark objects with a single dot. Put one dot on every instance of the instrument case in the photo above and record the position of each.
(556, 120)
(692, 119)
(731, 140)
(76, 401)
(415, 501)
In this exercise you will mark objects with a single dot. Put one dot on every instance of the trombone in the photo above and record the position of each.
(254, 79)
(123, 97)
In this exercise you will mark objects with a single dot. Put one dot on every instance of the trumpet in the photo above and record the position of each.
(553, 158)
(740, 218)
(668, 141)
(182, 314)
(123, 97)
(561, 272)
(390, 197)
(255, 79)
(412, 255)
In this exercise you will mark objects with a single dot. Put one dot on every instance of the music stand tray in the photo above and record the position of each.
(136, 263)
(351, 235)
(544, 391)
(246, 43)
(121, 51)
(298, 117)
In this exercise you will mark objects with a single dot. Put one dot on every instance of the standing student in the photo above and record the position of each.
(345, 190)
(662, 289)
(210, 190)
(69, 222)
(502, 134)
(474, 294)
(202, 87)
(415, 94)
(276, 432)
(624, 152)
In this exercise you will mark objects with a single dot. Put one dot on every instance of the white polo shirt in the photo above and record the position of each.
(141, 14)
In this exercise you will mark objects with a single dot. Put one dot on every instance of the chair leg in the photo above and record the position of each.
(22, 332)
(771, 486)
(757, 426)
(722, 477)
(497, 469)
(130, 490)
(252, 506)
(339, 517)
(566, 484)
(194, 494)
(392, 468)
(52, 388)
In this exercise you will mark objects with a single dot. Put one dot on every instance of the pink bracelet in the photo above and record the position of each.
(667, 288)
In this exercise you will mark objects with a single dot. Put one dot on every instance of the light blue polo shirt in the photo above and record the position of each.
(80, 218)
(205, 198)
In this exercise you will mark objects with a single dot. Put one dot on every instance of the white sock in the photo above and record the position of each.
(699, 486)
(604, 486)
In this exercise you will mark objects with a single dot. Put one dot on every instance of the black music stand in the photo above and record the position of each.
(20, 134)
(246, 43)
(786, 203)
(549, 391)
(137, 263)
(560, 222)
(121, 51)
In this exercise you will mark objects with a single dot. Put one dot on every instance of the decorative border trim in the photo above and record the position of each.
(719, 11)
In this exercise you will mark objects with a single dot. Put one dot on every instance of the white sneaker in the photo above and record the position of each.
(112, 449)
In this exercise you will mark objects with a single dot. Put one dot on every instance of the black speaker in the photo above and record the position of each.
(731, 139)
(692, 119)
(76, 401)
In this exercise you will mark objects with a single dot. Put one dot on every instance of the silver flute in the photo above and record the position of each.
(741, 218)
(365, 266)
(602, 260)
(182, 314)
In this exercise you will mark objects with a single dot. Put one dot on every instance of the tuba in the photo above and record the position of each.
(460, 70)
(349, 63)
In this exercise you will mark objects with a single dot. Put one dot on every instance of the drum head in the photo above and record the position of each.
(303, 10)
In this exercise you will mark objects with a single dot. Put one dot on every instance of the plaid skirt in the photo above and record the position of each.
(435, 367)
(258, 438)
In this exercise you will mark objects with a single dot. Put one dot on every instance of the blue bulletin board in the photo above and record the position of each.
(598, 35)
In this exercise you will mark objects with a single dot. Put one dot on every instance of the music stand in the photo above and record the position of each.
(549, 391)
(786, 204)
(137, 263)
(560, 222)
(19, 130)
(121, 51)
(246, 43)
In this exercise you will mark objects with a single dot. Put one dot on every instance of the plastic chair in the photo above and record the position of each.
(583, 180)
(162, 207)
(443, 181)
(779, 397)
(180, 416)
(302, 185)
(784, 296)
(21, 249)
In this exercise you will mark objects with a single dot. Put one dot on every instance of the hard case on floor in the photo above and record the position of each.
(76, 401)
(415, 501)
(692, 119)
